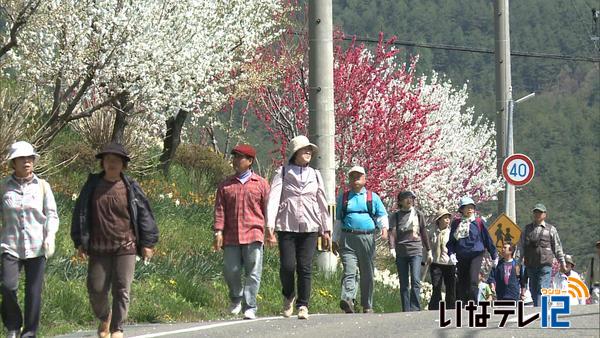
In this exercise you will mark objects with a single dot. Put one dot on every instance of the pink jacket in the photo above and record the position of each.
(302, 206)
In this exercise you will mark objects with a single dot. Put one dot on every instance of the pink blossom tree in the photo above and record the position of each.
(408, 131)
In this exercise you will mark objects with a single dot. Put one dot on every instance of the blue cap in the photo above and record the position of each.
(465, 201)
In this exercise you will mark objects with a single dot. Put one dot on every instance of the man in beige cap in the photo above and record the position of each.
(360, 213)
(442, 269)
(538, 246)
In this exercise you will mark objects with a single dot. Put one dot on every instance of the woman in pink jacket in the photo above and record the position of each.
(297, 211)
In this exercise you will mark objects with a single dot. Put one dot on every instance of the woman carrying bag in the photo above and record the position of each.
(297, 212)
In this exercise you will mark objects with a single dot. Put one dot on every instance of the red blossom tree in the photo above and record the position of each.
(381, 121)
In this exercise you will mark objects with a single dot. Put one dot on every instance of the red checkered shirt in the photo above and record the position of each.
(240, 210)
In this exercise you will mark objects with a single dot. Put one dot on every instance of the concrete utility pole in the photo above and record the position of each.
(506, 200)
(320, 97)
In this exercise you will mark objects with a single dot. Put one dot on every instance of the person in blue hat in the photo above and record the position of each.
(469, 238)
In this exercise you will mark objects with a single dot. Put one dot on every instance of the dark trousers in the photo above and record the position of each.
(446, 274)
(296, 250)
(467, 286)
(113, 273)
(34, 280)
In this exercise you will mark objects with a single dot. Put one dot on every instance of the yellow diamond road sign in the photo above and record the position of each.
(504, 231)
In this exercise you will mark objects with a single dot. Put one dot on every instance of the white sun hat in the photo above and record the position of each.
(21, 149)
(357, 169)
(298, 143)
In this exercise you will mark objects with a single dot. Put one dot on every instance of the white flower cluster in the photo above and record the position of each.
(426, 291)
(169, 196)
(386, 278)
(167, 55)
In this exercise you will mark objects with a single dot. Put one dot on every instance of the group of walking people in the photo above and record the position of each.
(112, 223)
(292, 213)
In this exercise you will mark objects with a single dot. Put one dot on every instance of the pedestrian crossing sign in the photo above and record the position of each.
(504, 231)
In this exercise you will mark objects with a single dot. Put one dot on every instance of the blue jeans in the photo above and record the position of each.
(412, 265)
(249, 257)
(539, 278)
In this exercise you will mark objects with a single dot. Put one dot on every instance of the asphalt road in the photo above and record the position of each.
(585, 322)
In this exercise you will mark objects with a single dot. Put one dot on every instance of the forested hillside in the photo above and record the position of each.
(558, 128)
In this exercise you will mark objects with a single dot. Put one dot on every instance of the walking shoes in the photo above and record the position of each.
(235, 308)
(303, 312)
(104, 327)
(347, 306)
(288, 306)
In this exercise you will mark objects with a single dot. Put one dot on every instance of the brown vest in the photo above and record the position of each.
(538, 245)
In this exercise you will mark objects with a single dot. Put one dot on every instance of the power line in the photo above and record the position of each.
(478, 50)
(468, 49)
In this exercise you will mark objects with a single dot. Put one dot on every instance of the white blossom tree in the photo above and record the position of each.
(464, 151)
(151, 57)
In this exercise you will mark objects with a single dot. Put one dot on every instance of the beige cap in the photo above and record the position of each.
(357, 169)
(441, 213)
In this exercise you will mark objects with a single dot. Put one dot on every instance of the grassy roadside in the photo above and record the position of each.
(184, 280)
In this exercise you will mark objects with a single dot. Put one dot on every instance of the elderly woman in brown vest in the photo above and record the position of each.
(112, 222)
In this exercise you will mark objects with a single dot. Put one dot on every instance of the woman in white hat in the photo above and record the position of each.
(441, 268)
(297, 211)
(29, 225)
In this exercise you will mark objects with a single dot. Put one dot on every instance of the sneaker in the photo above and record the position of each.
(117, 334)
(12, 334)
(288, 306)
(235, 308)
(104, 328)
(347, 306)
(303, 312)
(250, 314)
(367, 310)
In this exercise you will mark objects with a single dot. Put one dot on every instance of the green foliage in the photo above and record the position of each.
(77, 156)
(201, 163)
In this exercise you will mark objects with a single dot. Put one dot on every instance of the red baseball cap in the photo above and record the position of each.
(244, 149)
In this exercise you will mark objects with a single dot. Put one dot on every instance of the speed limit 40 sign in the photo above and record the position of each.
(518, 169)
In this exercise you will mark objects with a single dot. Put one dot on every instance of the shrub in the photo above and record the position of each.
(203, 163)
(79, 156)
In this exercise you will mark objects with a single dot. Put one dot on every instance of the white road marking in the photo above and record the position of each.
(204, 327)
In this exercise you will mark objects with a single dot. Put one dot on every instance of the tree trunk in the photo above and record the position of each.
(122, 108)
(172, 139)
